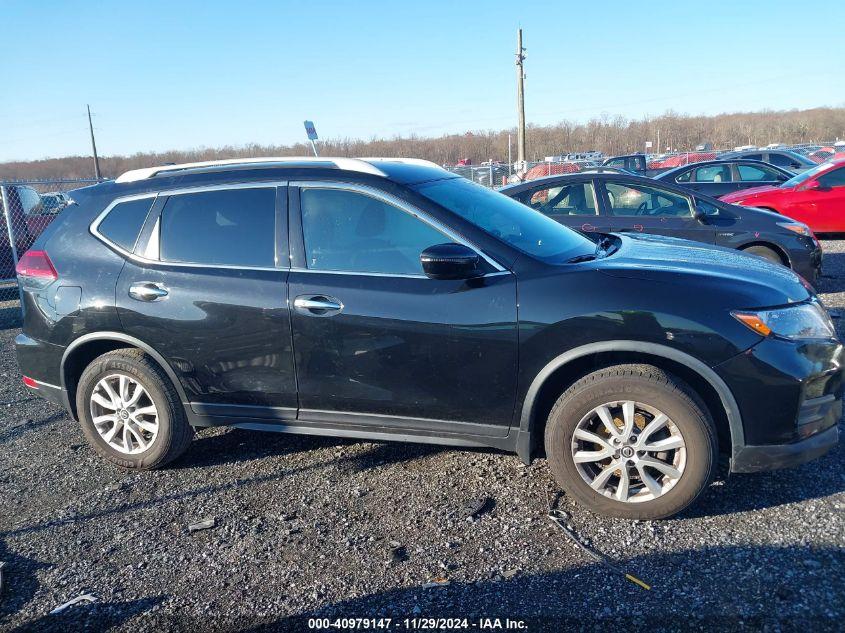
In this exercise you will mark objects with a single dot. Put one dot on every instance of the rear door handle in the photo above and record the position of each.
(147, 291)
(317, 305)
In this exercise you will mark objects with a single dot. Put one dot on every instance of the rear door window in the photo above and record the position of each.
(783, 161)
(713, 173)
(231, 227)
(123, 223)
(753, 173)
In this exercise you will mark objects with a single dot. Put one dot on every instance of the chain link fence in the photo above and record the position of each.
(26, 209)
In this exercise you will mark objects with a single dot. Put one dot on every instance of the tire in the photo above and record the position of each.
(645, 386)
(765, 252)
(173, 433)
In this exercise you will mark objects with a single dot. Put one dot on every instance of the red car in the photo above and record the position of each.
(815, 197)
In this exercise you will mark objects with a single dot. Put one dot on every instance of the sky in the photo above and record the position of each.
(179, 75)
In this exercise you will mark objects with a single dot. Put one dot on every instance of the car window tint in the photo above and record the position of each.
(351, 231)
(123, 223)
(616, 162)
(783, 161)
(835, 178)
(639, 200)
(575, 199)
(753, 156)
(713, 173)
(684, 177)
(752, 173)
(234, 227)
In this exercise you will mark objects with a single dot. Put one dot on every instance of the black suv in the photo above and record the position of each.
(606, 202)
(391, 300)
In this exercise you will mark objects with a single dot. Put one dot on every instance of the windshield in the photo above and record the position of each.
(508, 220)
(806, 175)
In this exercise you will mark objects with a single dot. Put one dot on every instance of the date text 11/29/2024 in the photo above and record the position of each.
(417, 624)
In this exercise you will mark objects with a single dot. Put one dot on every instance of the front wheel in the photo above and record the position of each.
(631, 441)
(765, 252)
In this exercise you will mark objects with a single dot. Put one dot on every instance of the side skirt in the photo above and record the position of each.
(365, 427)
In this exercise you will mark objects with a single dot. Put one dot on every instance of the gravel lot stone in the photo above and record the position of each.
(308, 526)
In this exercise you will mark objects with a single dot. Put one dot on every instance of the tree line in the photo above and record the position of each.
(611, 135)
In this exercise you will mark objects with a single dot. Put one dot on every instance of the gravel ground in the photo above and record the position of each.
(308, 526)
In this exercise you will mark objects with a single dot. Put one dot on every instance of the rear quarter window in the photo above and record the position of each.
(123, 223)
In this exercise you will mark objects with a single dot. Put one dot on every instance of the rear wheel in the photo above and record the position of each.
(765, 252)
(631, 441)
(130, 412)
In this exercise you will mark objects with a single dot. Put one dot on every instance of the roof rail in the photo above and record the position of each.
(420, 162)
(350, 164)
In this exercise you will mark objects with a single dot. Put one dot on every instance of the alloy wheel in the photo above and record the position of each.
(124, 414)
(629, 451)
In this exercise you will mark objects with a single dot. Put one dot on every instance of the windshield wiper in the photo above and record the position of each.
(586, 257)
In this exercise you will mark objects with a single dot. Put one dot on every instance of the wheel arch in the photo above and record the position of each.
(784, 256)
(84, 349)
(582, 360)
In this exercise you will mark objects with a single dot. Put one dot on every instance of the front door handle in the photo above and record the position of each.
(147, 291)
(317, 305)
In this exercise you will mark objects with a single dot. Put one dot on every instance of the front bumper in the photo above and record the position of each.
(790, 401)
(752, 459)
(806, 260)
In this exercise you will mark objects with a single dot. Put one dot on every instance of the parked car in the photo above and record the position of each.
(28, 221)
(53, 202)
(616, 202)
(633, 163)
(654, 165)
(793, 161)
(602, 169)
(815, 197)
(719, 177)
(389, 299)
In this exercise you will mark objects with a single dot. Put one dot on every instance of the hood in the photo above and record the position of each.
(733, 279)
(745, 194)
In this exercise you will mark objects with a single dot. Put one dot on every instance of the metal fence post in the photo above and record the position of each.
(13, 247)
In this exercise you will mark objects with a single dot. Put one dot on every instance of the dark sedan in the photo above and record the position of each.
(618, 203)
(720, 177)
(793, 161)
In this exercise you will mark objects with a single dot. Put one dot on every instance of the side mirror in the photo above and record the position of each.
(813, 185)
(450, 261)
(700, 216)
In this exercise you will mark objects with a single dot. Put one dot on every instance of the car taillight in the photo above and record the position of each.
(36, 265)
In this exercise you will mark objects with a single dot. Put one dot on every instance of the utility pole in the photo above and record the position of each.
(93, 146)
(520, 101)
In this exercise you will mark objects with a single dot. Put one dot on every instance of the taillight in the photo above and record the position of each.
(36, 265)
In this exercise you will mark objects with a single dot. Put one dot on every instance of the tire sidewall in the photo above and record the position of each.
(98, 370)
(692, 422)
(765, 252)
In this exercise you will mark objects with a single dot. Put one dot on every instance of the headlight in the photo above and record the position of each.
(796, 227)
(798, 322)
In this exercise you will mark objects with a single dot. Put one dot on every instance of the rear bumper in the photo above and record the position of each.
(752, 459)
(40, 362)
